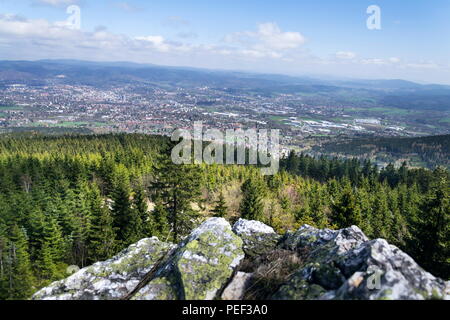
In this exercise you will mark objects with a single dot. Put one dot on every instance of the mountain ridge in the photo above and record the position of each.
(370, 93)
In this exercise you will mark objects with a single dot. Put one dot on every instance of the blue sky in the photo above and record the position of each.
(292, 37)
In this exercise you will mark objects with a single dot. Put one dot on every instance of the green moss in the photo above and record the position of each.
(204, 268)
(164, 288)
(299, 289)
(385, 295)
(435, 295)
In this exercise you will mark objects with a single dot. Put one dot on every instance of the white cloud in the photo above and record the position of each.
(17, 26)
(422, 65)
(57, 3)
(157, 42)
(374, 61)
(128, 7)
(268, 41)
(274, 38)
(345, 55)
(394, 60)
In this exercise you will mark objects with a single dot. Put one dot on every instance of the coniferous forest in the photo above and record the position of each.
(77, 199)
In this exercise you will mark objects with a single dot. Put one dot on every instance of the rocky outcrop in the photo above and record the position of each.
(213, 262)
(196, 269)
(344, 264)
(111, 279)
(236, 288)
(200, 267)
(258, 238)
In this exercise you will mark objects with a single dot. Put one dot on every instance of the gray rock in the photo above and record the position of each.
(201, 265)
(333, 264)
(111, 279)
(236, 288)
(258, 238)
(343, 264)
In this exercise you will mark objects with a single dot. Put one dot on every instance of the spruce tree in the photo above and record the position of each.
(177, 186)
(127, 221)
(141, 208)
(159, 220)
(102, 239)
(251, 206)
(220, 210)
(18, 273)
(345, 210)
(433, 229)
(52, 250)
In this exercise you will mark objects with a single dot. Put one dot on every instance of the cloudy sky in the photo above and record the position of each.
(326, 37)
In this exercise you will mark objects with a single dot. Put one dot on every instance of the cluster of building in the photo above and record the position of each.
(156, 110)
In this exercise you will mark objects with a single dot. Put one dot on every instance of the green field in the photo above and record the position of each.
(383, 110)
(7, 108)
(278, 118)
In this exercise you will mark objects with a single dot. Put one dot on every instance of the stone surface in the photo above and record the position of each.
(236, 288)
(344, 264)
(258, 238)
(201, 265)
(111, 279)
(334, 264)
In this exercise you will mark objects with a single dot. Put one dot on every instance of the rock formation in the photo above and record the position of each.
(251, 261)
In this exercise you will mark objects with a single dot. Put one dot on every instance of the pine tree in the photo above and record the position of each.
(127, 221)
(251, 207)
(141, 208)
(78, 222)
(381, 218)
(102, 239)
(433, 230)
(317, 206)
(345, 210)
(16, 272)
(159, 221)
(177, 186)
(220, 210)
(52, 250)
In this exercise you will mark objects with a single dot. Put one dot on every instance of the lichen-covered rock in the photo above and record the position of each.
(201, 265)
(329, 264)
(235, 290)
(160, 288)
(324, 241)
(299, 289)
(110, 279)
(343, 264)
(385, 272)
(258, 238)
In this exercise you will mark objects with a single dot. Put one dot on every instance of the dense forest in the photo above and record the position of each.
(77, 199)
(429, 151)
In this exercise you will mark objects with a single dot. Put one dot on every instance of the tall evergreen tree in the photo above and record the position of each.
(220, 210)
(52, 250)
(159, 220)
(16, 277)
(141, 208)
(102, 239)
(127, 221)
(251, 206)
(178, 186)
(345, 209)
(433, 229)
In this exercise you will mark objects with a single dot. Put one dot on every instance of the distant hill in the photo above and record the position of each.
(361, 93)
